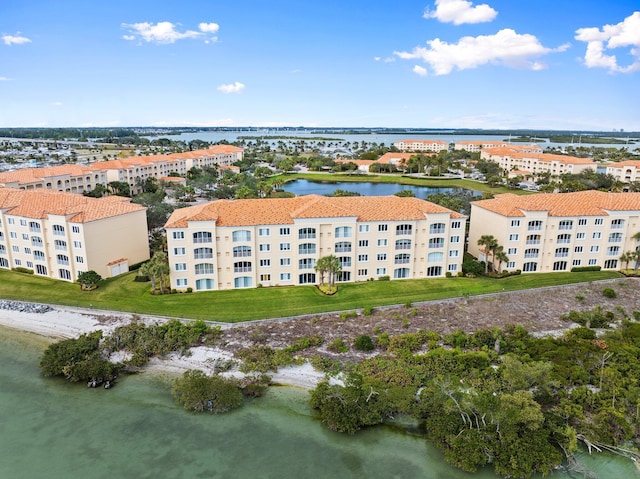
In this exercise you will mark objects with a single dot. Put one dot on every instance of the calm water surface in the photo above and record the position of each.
(51, 429)
(306, 187)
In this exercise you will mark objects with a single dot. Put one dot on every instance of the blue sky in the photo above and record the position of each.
(425, 64)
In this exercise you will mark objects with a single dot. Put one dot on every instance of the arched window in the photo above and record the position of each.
(203, 253)
(202, 237)
(204, 268)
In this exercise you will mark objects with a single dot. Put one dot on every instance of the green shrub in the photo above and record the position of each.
(347, 314)
(338, 346)
(448, 274)
(383, 340)
(199, 392)
(384, 278)
(368, 311)
(364, 343)
(579, 269)
(609, 293)
(305, 343)
(19, 269)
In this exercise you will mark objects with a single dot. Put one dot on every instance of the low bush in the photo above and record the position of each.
(364, 343)
(338, 346)
(609, 293)
(579, 269)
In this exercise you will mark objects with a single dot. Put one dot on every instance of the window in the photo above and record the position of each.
(285, 276)
(363, 272)
(576, 262)
(307, 233)
(265, 277)
(565, 225)
(595, 249)
(454, 239)
(181, 282)
(307, 263)
(454, 253)
(180, 266)
(533, 239)
(13, 235)
(179, 251)
(559, 266)
(363, 243)
(15, 249)
(436, 229)
(564, 238)
(285, 231)
(265, 262)
(285, 246)
(436, 243)
(264, 232)
(241, 251)
(512, 251)
(1, 236)
(23, 222)
(17, 262)
(40, 269)
(307, 248)
(434, 271)
(452, 267)
(343, 247)
(613, 250)
(204, 284)
(435, 257)
(77, 244)
(178, 235)
(580, 236)
(617, 224)
(456, 225)
(383, 228)
(530, 267)
(562, 252)
(264, 247)
(242, 267)
(404, 229)
(345, 261)
(58, 230)
(363, 258)
(65, 274)
(403, 244)
(535, 225)
(202, 237)
(593, 262)
(241, 235)
(515, 223)
(597, 235)
(27, 251)
(79, 259)
(381, 271)
(615, 238)
(363, 228)
(382, 242)
(203, 253)
(36, 241)
(75, 229)
(63, 259)
(611, 264)
(38, 255)
(307, 278)
(343, 276)
(400, 273)
(582, 222)
(11, 221)
(599, 221)
(29, 265)
(514, 237)
(343, 231)
(578, 249)
(242, 282)
(204, 268)
(402, 259)
(285, 261)
(61, 245)
(382, 257)
(25, 236)
(511, 264)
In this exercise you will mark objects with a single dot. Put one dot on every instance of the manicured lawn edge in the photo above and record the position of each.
(123, 294)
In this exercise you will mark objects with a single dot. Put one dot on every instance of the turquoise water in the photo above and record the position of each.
(52, 429)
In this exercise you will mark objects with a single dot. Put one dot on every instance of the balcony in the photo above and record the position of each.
(242, 269)
(532, 242)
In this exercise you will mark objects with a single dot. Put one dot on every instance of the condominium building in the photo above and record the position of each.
(60, 235)
(231, 244)
(625, 171)
(69, 178)
(558, 231)
(397, 160)
(422, 145)
(532, 162)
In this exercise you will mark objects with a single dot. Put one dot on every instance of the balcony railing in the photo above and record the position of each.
(532, 242)
(534, 228)
(561, 255)
(243, 269)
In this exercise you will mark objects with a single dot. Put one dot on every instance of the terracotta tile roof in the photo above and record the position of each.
(38, 204)
(623, 164)
(543, 157)
(581, 203)
(428, 142)
(34, 175)
(286, 210)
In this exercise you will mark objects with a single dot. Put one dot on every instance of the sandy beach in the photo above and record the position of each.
(64, 323)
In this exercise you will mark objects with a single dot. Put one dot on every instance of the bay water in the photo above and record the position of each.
(52, 429)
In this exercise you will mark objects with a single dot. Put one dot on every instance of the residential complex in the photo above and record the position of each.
(475, 146)
(398, 160)
(625, 171)
(132, 170)
(529, 162)
(245, 243)
(422, 145)
(558, 231)
(60, 235)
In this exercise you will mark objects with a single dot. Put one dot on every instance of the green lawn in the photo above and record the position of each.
(123, 294)
(406, 180)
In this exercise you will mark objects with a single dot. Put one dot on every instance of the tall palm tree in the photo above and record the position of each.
(333, 268)
(626, 258)
(501, 257)
(321, 268)
(490, 244)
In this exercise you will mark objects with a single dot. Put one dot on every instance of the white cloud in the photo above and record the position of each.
(601, 41)
(236, 87)
(4, 79)
(460, 11)
(385, 60)
(166, 32)
(504, 48)
(57, 103)
(15, 39)
(418, 70)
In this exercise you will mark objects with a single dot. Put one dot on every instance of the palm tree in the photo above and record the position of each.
(321, 268)
(333, 267)
(490, 244)
(626, 258)
(501, 256)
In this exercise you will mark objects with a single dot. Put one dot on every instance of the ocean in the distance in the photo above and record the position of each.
(52, 429)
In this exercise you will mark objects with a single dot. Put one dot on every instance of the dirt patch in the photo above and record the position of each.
(537, 310)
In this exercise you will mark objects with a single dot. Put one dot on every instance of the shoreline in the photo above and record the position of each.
(61, 323)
